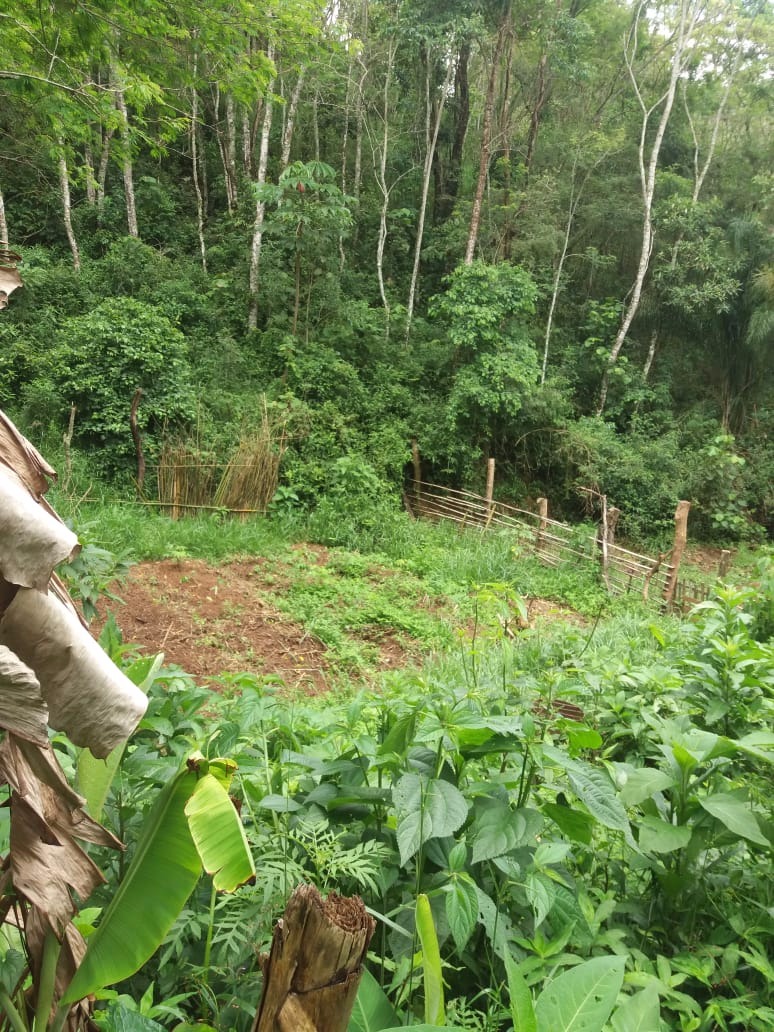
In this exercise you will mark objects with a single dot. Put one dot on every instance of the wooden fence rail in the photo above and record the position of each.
(624, 571)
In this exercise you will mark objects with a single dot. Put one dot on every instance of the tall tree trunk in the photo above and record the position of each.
(444, 201)
(104, 161)
(290, 119)
(260, 205)
(127, 165)
(486, 137)
(247, 143)
(381, 179)
(3, 224)
(231, 168)
(64, 188)
(91, 178)
(431, 140)
(195, 170)
(689, 14)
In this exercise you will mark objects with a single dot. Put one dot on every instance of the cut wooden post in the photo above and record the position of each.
(610, 516)
(311, 976)
(417, 475)
(725, 562)
(681, 537)
(542, 511)
(490, 475)
(137, 438)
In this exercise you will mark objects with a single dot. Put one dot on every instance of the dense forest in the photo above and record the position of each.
(531, 231)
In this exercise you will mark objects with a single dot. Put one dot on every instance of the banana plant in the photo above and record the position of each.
(192, 826)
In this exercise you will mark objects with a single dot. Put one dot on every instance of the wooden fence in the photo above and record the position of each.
(556, 543)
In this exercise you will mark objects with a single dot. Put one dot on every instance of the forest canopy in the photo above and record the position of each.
(539, 232)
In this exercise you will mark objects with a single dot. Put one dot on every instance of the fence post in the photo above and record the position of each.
(681, 537)
(542, 511)
(610, 518)
(725, 562)
(417, 474)
(490, 474)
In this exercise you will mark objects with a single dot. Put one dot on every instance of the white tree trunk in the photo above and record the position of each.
(64, 187)
(290, 120)
(260, 206)
(231, 169)
(431, 141)
(689, 12)
(3, 223)
(195, 170)
(381, 179)
(127, 166)
(104, 161)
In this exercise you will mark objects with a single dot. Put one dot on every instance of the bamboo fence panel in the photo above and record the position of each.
(553, 542)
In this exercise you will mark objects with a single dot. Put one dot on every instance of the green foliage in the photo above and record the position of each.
(98, 363)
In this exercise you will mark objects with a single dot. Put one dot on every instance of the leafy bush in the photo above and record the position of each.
(98, 362)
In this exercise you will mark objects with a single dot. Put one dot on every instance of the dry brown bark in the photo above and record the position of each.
(312, 974)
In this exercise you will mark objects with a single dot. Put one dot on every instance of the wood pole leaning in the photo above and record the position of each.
(542, 511)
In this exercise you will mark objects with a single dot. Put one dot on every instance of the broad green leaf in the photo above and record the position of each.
(520, 998)
(581, 999)
(431, 962)
(121, 1019)
(12, 967)
(496, 830)
(540, 895)
(160, 879)
(425, 1028)
(735, 814)
(94, 777)
(279, 804)
(218, 834)
(575, 824)
(461, 910)
(636, 784)
(656, 836)
(550, 853)
(372, 1011)
(400, 736)
(639, 1013)
(426, 809)
(593, 787)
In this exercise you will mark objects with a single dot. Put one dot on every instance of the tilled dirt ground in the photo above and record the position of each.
(211, 620)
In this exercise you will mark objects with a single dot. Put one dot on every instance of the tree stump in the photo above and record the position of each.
(311, 976)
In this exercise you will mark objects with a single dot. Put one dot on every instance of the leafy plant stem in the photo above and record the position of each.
(210, 930)
(9, 1007)
(51, 948)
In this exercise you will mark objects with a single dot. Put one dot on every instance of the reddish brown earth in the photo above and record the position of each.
(213, 620)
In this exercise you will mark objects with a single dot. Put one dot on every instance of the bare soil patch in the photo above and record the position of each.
(219, 619)
(211, 620)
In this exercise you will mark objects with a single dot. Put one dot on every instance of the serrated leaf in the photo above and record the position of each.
(581, 999)
(540, 895)
(218, 834)
(461, 910)
(426, 808)
(496, 830)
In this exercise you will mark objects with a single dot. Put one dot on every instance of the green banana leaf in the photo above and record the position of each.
(160, 879)
(218, 834)
(94, 777)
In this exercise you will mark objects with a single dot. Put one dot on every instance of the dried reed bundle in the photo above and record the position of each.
(251, 475)
(186, 478)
